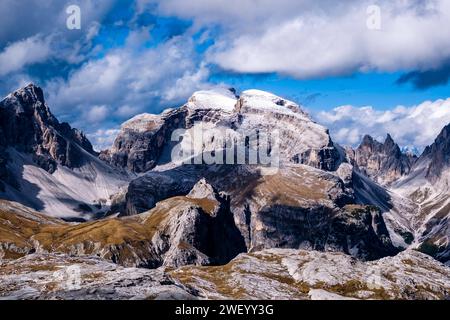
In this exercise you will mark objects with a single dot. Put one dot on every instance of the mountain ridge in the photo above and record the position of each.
(137, 206)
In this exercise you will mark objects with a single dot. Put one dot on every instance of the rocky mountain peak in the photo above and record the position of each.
(389, 140)
(367, 140)
(391, 147)
(142, 122)
(29, 100)
(437, 155)
(370, 144)
(30, 94)
(144, 140)
(383, 162)
(27, 125)
(48, 165)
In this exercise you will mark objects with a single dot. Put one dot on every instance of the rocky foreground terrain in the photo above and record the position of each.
(308, 220)
(268, 274)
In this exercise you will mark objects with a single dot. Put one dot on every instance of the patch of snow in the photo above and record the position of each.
(219, 99)
(267, 101)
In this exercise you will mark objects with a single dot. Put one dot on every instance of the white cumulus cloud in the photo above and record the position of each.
(310, 39)
(103, 139)
(97, 114)
(130, 80)
(22, 53)
(415, 126)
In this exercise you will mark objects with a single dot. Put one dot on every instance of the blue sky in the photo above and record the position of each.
(379, 90)
(137, 56)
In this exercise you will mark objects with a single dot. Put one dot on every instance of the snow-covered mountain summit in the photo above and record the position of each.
(141, 143)
(219, 98)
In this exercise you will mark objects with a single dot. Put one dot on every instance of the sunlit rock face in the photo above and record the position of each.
(282, 274)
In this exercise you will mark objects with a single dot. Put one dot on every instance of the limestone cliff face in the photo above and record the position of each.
(298, 207)
(141, 140)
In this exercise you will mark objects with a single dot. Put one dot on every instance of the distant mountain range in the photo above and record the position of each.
(137, 206)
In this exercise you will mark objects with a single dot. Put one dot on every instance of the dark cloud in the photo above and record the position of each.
(423, 80)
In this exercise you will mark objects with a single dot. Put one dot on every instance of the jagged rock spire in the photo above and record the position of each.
(383, 162)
